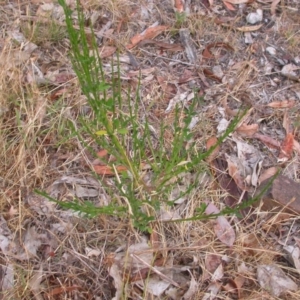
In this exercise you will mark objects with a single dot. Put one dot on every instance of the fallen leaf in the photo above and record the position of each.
(249, 28)
(273, 6)
(193, 288)
(237, 1)
(179, 5)
(211, 142)
(212, 262)
(207, 51)
(209, 74)
(269, 141)
(282, 104)
(229, 6)
(296, 146)
(148, 34)
(274, 280)
(108, 170)
(247, 130)
(35, 283)
(287, 146)
(167, 46)
(224, 231)
(62, 290)
(235, 174)
(106, 51)
(268, 173)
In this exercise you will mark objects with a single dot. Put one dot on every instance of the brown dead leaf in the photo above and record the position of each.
(148, 34)
(169, 89)
(287, 147)
(102, 153)
(167, 46)
(179, 5)
(234, 173)
(209, 74)
(212, 261)
(224, 231)
(273, 6)
(249, 28)
(282, 104)
(108, 170)
(106, 51)
(296, 146)
(268, 173)
(229, 6)
(247, 130)
(274, 280)
(209, 144)
(62, 290)
(269, 141)
(207, 51)
(238, 1)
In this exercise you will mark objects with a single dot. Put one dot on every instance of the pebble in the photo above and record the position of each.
(255, 17)
(271, 51)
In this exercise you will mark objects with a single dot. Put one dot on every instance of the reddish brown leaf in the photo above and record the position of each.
(269, 141)
(148, 34)
(229, 6)
(62, 290)
(210, 143)
(238, 1)
(102, 153)
(207, 51)
(211, 75)
(287, 147)
(282, 104)
(246, 130)
(108, 171)
(179, 5)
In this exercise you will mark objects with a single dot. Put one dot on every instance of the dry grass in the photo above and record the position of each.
(38, 147)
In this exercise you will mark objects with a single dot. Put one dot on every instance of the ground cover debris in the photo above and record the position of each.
(200, 114)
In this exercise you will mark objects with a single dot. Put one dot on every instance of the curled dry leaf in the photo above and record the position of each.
(282, 104)
(209, 74)
(249, 28)
(148, 34)
(207, 51)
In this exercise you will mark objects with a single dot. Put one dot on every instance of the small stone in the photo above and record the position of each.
(256, 17)
(271, 51)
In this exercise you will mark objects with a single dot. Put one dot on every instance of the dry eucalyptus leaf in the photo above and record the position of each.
(274, 280)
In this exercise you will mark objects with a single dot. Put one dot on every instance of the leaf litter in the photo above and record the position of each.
(199, 257)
